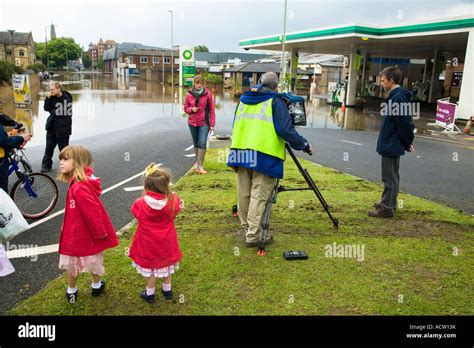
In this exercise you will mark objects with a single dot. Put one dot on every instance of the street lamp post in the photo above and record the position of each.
(172, 56)
(12, 32)
(163, 69)
(163, 78)
(283, 40)
(46, 46)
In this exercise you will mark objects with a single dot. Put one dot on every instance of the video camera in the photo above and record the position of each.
(296, 108)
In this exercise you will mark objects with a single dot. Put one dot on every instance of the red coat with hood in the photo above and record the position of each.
(155, 244)
(205, 105)
(87, 229)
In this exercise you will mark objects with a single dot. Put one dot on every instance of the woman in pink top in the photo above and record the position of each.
(199, 105)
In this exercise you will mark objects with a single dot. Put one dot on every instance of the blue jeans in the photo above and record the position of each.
(199, 135)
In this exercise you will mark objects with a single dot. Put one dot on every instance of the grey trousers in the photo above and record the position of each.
(391, 180)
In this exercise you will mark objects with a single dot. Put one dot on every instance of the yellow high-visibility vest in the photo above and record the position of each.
(254, 129)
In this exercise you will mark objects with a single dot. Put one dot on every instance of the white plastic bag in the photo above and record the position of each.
(6, 266)
(12, 223)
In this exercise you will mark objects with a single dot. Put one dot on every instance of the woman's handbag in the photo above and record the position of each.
(12, 222)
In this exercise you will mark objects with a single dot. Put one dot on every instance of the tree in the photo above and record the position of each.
(57, 51)
(100, 63)
(40, 48)
(86, 60)
(7, 69)
(37, 67)
(201, 48)
(212, 79)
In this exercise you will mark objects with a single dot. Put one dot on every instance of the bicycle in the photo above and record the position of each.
(35, 194)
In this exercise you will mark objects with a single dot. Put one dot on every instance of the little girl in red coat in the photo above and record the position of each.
(155, 251)
(87, 230)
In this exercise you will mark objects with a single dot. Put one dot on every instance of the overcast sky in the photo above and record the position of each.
(218, 24)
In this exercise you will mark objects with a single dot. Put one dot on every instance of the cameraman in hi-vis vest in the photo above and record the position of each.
(262, 125)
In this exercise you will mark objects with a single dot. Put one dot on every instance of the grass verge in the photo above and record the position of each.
(419, 263)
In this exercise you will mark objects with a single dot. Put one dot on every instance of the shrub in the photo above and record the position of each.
(6, 71)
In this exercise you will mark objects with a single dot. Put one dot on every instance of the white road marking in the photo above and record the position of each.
(39, 222)
(54, 247)
(134, 188)
(350, 142)
(317, 164)
(191, 155)
(29, 252)
(189, 148)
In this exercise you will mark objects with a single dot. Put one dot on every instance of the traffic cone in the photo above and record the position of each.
(467, 129)
(343, 107)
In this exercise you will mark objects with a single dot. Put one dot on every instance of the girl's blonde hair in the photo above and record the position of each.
(158, 180)
(82, 158)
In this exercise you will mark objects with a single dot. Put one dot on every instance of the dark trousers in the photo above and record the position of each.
(199, 135)
(4, 164)
(51, 141)
(391, 180)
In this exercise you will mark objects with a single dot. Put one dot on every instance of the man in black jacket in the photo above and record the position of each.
(6, 144)
(59, 123)
(395, 137)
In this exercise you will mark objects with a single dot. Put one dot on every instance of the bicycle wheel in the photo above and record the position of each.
(35, 195)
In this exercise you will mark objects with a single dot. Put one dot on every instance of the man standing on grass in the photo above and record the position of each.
(262, 125)
(395, 137)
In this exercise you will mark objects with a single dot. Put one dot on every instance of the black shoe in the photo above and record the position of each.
(167, 294)
(381, 213)
(379, 206)
(45, 170)
(97, 292)
(147, 298)
(268, 241)
(72, 298)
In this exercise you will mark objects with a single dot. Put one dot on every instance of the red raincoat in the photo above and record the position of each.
(87, 229)
(155, 244)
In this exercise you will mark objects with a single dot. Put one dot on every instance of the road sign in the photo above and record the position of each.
(21, 89)
(187, 69)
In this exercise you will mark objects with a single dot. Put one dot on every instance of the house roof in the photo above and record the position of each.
(255, 67)
(252, 67)
(113, 53)
(18, 38)
(148, 52)
(222, 57)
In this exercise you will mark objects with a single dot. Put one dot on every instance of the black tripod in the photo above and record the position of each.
(278, 188)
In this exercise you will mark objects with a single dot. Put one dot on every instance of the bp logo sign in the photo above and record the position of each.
(187, 54)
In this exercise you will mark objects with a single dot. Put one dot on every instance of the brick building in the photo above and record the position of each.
(152, 59)
(96, 51)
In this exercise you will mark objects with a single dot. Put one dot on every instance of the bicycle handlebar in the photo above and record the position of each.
(16, 131)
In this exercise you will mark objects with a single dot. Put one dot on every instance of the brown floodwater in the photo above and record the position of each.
(102, 104)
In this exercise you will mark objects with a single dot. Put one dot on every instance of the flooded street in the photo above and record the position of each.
(100, 105)
(103, 104)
